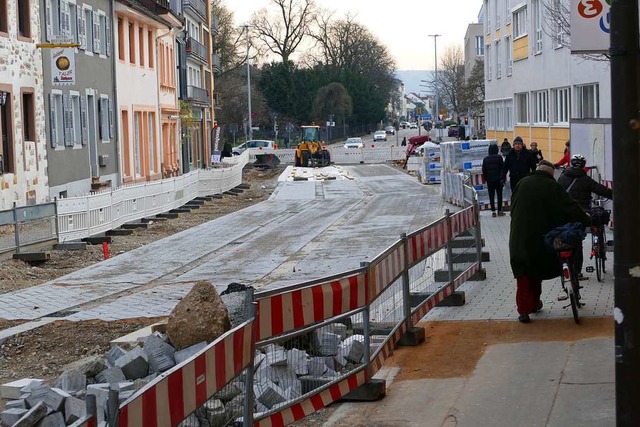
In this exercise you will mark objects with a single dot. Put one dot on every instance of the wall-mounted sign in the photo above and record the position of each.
(63, 66)
(590, 21)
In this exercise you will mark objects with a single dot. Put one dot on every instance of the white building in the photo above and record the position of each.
(534, 87)
(23, 165)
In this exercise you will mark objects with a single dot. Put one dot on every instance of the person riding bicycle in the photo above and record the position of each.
(580, 186)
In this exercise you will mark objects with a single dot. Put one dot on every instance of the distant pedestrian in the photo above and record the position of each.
(404, 141)
(518, 164)
(535, 152)
(505, 147)
(226, 150)
(492, 173)
(566, 155)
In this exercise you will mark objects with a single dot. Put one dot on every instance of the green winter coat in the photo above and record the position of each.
(539, 205)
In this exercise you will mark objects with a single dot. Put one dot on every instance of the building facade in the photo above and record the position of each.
(534, 87)
(148, 111)
(23, 152)
(196, 89)
(81, 129)
(473, 47)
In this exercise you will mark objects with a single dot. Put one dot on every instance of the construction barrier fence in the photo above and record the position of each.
(310, 344)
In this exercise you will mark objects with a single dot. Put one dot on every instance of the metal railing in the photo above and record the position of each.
(198, 94)
(196, 49)
(198, 6)
(27, 225)
(215, 63)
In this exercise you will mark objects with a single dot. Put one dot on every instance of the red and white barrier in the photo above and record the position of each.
(314, 403)
(385, 271)
(281, 313)
(178, 392)
(428, 242)
(387, 349)
(463, 220)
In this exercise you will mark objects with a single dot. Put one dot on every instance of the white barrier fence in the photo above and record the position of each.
(341, 155)
(84, 216)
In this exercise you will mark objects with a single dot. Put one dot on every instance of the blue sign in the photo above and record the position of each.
(425, 116)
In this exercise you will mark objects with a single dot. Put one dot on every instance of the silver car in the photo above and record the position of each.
(354, 142)
(380, 136)
(254, 143)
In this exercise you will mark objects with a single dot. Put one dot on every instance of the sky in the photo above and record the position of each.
(403, 26)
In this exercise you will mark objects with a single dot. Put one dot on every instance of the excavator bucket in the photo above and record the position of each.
(267, 161)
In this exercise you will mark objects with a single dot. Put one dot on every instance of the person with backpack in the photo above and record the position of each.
(580, 186)
(492, 174)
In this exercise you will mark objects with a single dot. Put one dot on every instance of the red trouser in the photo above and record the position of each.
(528, 294)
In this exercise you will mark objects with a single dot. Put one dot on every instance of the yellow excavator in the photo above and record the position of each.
(311, 151)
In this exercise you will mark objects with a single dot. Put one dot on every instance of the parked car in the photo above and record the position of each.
(354, 142)
(404, 125)
(380, 135)
(413, 125)
(254, 143)
(390, 130)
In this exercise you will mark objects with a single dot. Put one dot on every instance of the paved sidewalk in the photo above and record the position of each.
(551, 384)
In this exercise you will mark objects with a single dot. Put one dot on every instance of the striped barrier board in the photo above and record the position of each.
(307, 407)
(385, 271)
(462, 221)
(178, 392)
(287, 311)
(427, 242)
(386, 350)
(476, 179)
(435, 299)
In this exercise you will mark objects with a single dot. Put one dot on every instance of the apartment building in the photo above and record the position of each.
(535, 88)
(23, 152)
(474, 54)
(79, 101)
(147, 103)
(196, 89)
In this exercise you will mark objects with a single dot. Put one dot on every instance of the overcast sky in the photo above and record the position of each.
(402, 26)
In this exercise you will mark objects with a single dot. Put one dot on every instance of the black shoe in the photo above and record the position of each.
(524, 318)
(538, 308)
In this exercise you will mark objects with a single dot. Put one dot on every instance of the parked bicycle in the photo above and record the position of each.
(600, 217)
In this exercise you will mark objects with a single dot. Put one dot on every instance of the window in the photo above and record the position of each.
(150, 42)
(479, 45)
(141, 45)
(541, 106)
(4, 21)
(498, 60)
(507, 12)
(104, 114)
(587, 102)
(76, 118)
(522, 107)
(28, 117)
(120, 39)
(499, 116)
(520, 22)
(137, 139)
(537, 25)
(558, 25)
(56, 119)
(508, 51)
(7, 148)
(508, 114)
(104, 34)
(561, 106)
(88, 25)
(488, 17)
(151, 131)
(24, 19)
(497, 13)
(132, 43)
(488, 62)
(126, 143)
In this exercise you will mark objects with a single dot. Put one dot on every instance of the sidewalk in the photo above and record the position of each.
(554, 383)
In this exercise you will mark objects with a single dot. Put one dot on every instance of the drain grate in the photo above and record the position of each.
(62, 313)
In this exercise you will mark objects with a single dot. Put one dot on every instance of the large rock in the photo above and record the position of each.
(200, 316)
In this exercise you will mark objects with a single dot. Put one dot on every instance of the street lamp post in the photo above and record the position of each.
(250, 130)
(437, 112)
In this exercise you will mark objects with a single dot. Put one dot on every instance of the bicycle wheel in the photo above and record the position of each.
(573, 298)
(603, 249)
(574, 293)
(599, 264)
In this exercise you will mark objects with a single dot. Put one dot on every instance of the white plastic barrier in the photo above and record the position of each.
(341, 155)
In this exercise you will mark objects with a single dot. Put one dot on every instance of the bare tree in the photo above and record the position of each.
(472, 98)
(228, 42)
(451, 83)
(557, 25)
(282, 33)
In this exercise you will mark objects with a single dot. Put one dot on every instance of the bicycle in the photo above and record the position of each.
(600, 217)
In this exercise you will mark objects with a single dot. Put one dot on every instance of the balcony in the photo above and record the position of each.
(198, 7)
(198, 95)
(215, 25)
(164, 4)
(197, 50)
(215, 63)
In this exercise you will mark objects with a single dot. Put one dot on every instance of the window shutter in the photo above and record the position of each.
(52, 120)
(65, 18)
(68, 120)
(49, 20)
(108, 36)
(100, 119)
(83, 119)
(111, 130)
(96, 32)
(80, 24)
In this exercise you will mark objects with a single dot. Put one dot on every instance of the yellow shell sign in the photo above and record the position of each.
(63, 66)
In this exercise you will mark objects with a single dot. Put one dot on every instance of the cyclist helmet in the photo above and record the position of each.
(578, 161)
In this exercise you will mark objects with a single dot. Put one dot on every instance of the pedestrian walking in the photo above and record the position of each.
(505, 147)
(540, 205)
(566, 155)
(404, 141)
(517, 164)
(226, 150)
(537, 154)
(492, 173)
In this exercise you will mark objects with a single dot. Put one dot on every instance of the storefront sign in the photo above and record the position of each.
(63, 66)
(590, 21)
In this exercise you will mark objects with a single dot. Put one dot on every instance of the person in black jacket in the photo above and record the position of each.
(492, 174)
(579, 185)
(505, 147)
(518, 163)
